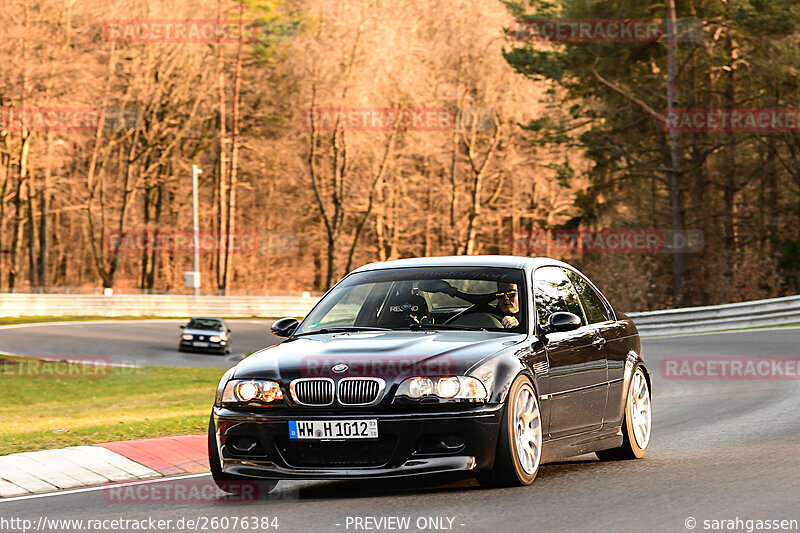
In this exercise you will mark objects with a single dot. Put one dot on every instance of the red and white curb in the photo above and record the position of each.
(22, 474)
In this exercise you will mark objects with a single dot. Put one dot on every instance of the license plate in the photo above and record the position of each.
(333, 429)
(200, 344)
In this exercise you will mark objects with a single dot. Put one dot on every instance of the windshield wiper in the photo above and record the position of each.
(340, 329)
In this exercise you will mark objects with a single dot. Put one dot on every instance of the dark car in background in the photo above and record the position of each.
(483, 366)
(205, 334)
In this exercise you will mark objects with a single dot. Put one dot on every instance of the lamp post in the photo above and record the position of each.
(195, 277)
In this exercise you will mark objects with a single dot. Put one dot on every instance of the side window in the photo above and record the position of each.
(594, 306)
(345, 309)
(552, 291)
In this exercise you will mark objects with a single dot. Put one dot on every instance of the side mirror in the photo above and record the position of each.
(284, 327)
(562, 321)
(181, 327)
(229, 330)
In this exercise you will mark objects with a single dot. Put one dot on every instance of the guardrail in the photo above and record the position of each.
(772, 312)
(758, 313)
(15, 305)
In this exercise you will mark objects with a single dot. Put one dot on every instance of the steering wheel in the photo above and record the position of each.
(475, 316)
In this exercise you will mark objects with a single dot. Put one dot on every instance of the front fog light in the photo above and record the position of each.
(447, 387)
(247, 390)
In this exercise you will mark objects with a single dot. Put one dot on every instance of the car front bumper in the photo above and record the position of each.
(409, 444)
(210, 346)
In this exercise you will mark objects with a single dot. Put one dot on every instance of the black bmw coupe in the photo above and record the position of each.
(486, 366)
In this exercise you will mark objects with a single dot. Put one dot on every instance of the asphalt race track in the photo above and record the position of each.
(138, 342)
(720, 450)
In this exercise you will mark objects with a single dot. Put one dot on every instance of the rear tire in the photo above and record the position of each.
(230, 483)
(636, 425)
(519, 446)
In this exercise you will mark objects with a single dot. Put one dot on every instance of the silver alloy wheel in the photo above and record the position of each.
(639, 400)
(527, 429)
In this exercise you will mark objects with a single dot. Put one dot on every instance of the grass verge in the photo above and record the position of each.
(58, 404)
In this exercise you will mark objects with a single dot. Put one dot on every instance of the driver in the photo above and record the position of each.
(508, 304)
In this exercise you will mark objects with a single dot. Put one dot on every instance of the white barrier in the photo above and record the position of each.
(772, 312)
(14, 305)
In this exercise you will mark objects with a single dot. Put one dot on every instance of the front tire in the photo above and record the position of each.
(637, 423)
(231, 483)
(519, 447)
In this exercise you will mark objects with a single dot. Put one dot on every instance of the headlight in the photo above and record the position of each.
(238, 391)
(215, 338)
(446, 388)
(186, 337)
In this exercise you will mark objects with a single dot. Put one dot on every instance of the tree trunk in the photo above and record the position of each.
(145, 257)
(33, 277)
(380, 222)
(455, 237)
(5, 172)
(330, 274)
(222, 204)
(729, 169)
(22, 178)
(44, 220)
(675, 175)
(151, 274)
(237, 90)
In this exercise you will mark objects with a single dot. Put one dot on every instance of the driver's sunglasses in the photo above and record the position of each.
(510, 294)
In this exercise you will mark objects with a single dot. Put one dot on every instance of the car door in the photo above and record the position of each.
(577, 363)
(614, 335)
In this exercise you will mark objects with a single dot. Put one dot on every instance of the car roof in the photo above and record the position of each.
(206, 318)
(491, 261)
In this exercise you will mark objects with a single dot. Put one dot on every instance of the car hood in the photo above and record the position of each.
(391, 355)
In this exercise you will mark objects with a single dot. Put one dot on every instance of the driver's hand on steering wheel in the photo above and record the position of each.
(510, 322)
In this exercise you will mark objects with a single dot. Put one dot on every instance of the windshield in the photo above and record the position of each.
(205, 323)
(463, 298)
